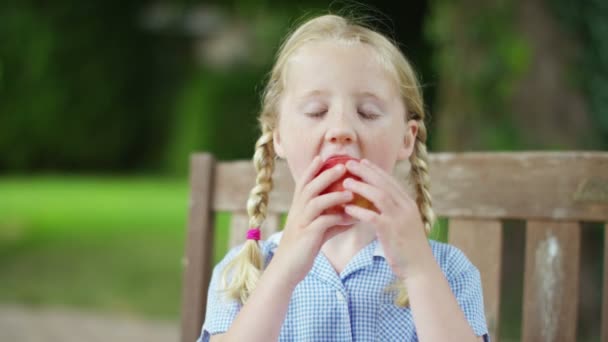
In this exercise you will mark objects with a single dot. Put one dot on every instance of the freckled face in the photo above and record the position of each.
(339, 99)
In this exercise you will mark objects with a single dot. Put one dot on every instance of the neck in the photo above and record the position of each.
(340, 249)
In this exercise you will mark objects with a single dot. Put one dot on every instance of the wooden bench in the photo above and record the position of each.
(553, 192)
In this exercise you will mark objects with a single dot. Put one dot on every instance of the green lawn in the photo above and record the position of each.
(103, 243)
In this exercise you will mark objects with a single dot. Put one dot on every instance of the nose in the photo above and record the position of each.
(340, 132)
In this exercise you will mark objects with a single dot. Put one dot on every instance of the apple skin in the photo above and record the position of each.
(358, 200)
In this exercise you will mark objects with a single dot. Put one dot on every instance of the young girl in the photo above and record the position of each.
(364, 274)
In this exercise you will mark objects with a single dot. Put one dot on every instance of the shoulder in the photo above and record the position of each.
(465, 281)
(452, 260)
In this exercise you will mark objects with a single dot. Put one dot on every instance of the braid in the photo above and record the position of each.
(263, 160)
(419, 175)
(245, 269)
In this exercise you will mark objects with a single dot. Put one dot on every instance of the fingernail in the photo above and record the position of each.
(351, 163)
(365, 161)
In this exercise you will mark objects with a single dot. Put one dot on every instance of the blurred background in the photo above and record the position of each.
(101, 103)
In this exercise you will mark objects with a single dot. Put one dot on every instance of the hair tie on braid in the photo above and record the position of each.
(241, 274)
(254, 234)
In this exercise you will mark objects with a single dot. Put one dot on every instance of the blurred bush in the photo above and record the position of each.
(587, 22)
(82, 86)
(137, 86)
(523, 75)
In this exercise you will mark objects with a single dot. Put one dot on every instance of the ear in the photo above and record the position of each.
(409, 140)
(276, 142)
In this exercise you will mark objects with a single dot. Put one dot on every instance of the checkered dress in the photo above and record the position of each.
(352, 306)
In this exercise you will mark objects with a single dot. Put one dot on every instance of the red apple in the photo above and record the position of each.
(337, 185)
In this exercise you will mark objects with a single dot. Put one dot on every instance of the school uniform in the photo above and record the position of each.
(353, 305)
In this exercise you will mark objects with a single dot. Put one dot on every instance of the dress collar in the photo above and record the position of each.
(275, 239)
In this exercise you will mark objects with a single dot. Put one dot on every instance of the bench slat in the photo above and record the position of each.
(541, 192)
(239, 223)
(605, 290)
(197, 261)
(551, 281)
(481, 241)
(271, 225)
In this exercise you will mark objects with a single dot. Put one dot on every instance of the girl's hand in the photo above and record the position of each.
(398, 223)
(307, 229)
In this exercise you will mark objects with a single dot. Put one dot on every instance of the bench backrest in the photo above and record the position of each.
(553, 192)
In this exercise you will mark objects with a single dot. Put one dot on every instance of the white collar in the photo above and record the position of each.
(276, 239)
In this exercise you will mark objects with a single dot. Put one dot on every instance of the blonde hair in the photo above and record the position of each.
(242, 273)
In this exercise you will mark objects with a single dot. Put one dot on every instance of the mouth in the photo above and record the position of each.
(339, 156)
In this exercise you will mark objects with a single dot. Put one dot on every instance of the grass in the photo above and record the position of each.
(110, 244)
(102, 243)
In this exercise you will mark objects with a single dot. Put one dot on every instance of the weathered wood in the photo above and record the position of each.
(197, 261)
(519, 185)
(271, 225)
(239, 223)
(551, 281)
(481, 241)
(605, 290)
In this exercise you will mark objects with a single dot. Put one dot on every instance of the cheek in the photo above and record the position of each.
(383, 151)
(299, 151)
(298, 165)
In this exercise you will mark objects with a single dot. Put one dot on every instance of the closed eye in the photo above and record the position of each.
(316, 114)
(363, 114)
(368, 115)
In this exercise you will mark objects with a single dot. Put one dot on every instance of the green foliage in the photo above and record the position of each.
(499, 53)
(216, 112)
(440, 230)
(86, 86)
(479, 52)
(587, 21)
(81, 86)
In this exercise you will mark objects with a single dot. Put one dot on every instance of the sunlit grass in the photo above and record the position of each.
(102, 243)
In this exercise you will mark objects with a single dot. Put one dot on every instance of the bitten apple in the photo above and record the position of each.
(358, 200)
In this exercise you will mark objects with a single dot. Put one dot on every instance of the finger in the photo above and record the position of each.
(323, 180)
(321, 223)
(379, 197)
(377, 177)
(309, 173)
(394, 184)
(361, 214)
(321, 203)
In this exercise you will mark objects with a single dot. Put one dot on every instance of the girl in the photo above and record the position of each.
(339, 88)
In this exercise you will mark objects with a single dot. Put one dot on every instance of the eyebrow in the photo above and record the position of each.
(313, 93)
(364, 94)
(369, 94)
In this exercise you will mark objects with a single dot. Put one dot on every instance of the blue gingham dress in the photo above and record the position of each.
(353, 305)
